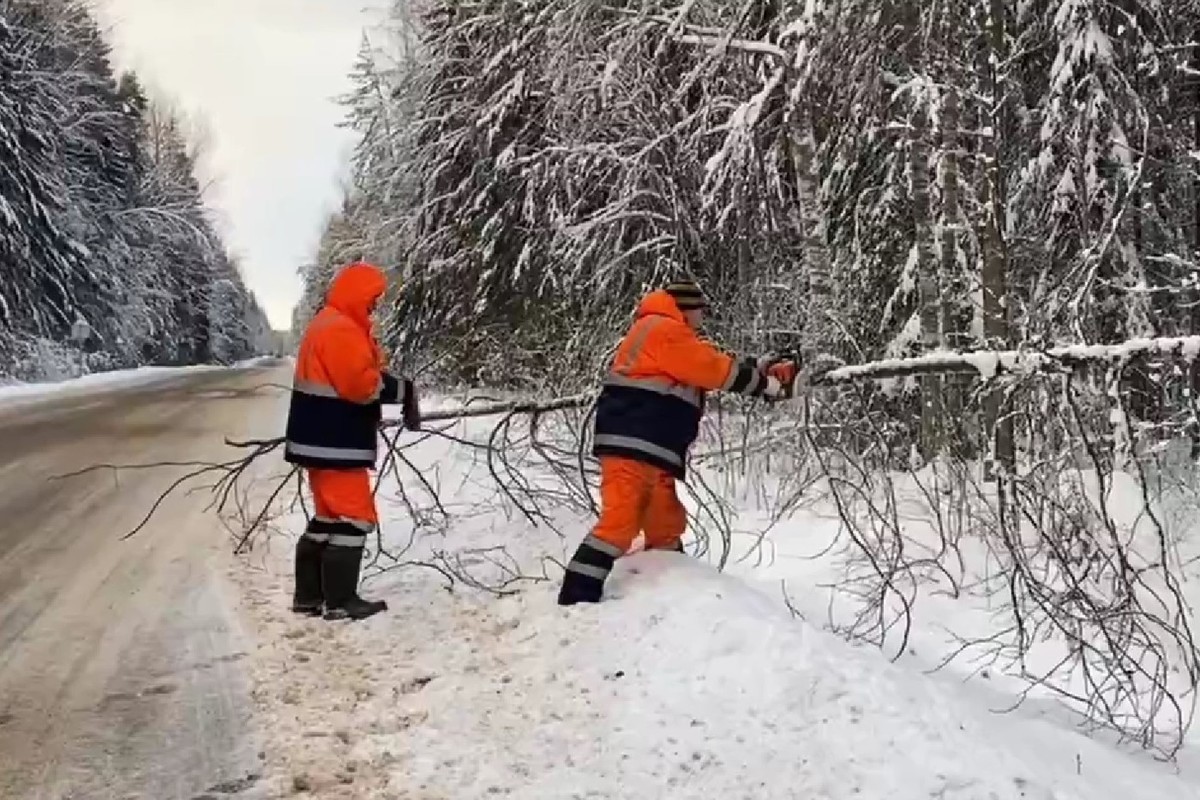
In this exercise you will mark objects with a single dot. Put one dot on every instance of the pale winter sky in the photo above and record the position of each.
(263, 75)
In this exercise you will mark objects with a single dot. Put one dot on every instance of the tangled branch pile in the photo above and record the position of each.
(1062, 514)
(1065, 518)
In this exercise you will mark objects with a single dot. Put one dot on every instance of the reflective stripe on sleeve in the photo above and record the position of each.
(744, 379)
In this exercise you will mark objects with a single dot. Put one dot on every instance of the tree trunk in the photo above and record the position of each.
(997, 421)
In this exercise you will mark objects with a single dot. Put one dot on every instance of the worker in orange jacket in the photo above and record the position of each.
(340, 384)
(647, 417)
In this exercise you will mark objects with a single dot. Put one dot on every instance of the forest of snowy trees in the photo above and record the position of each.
(108, 258)
(858, 177)
(872, 179)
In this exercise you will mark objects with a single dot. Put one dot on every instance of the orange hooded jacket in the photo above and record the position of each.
(652, 399)
(340, 380)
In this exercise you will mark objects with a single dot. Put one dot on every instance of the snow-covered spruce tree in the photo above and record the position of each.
(551, 167)
(867, 178)
(38, 256)
(93, 232)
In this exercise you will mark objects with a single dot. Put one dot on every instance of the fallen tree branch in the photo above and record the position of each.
(990, 363)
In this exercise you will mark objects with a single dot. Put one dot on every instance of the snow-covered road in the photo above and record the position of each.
(122, 670)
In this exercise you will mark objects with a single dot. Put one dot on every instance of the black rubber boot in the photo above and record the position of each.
(587, 572)
(308, 597)
(578, 588)
(340, 568)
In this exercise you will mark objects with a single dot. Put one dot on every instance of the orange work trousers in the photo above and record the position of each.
(637, 497)
(343, 494)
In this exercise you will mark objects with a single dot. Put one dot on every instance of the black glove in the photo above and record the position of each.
(391, 390)
(411, 413)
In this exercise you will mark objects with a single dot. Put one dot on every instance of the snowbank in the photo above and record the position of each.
(11, 393)
(684, 683)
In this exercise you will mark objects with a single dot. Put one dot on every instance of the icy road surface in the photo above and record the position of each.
(121, 662)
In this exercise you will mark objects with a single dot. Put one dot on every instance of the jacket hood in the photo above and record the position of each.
(660, 304)
(354, 289)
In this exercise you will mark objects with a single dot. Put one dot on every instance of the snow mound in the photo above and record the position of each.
(683, 683)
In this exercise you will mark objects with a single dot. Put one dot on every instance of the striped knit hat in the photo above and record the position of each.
(688, 295)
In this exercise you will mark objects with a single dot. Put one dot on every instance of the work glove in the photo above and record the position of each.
(390, 392)
(781, 376)
(411, 410)
(774, 390)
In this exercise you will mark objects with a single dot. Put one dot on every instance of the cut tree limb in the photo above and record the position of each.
(990, 363)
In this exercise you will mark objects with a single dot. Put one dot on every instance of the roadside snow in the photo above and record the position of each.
(684, 683)
(12, 393)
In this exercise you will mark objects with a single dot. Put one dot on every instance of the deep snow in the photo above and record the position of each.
(683, 683)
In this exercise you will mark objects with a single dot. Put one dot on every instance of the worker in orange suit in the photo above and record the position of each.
(647, 417)
(340, 385)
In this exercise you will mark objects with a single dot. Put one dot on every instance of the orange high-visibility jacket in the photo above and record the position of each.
(652, 399)
(340, 380)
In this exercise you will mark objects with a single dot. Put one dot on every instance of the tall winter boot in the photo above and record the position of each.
(340, 567)
(587, 570)
(307, 597)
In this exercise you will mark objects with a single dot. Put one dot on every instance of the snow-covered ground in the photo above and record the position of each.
(12, 393)
(685, 682)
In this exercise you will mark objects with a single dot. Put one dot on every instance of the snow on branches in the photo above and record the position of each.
(946, 192)
(101, 215)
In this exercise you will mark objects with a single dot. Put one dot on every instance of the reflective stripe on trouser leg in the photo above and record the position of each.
(340, 565)
(318, 529)
(624, 489)
(583, 582)
(339, 532)
(594, 558)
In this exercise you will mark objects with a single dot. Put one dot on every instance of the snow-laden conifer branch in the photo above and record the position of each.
(987, 364)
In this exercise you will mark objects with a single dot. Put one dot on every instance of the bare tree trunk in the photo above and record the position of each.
(1194, 366)
(819, 331)
(953, 295)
